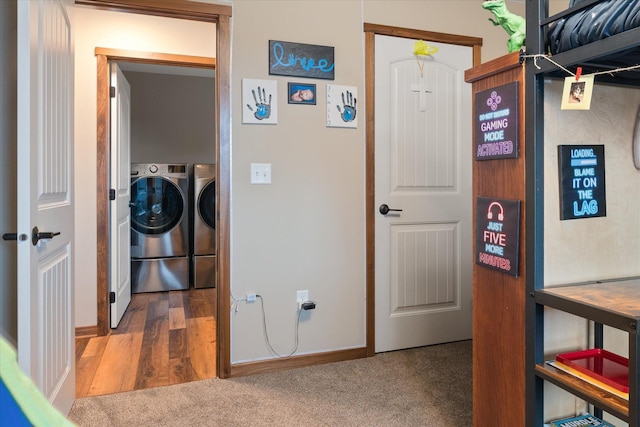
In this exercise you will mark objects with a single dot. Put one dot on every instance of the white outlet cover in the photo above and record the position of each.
(302, 296)
(261, 173)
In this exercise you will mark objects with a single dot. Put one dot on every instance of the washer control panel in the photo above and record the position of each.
(178, 170)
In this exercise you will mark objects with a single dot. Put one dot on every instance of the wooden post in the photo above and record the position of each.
(499, 298)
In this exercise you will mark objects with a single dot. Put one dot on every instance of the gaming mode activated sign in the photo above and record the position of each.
(496, 123)
(498, 234)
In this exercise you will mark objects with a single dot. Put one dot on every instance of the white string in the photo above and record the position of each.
(235, 302)
(548, 58)
(617, 70)
(420, 66)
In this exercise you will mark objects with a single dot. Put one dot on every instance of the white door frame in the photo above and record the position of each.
(370, 209)
(120, 194)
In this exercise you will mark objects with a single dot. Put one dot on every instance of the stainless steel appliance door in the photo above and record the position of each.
(158, 218)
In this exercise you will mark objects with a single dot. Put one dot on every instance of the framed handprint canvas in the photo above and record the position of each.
(342, 106)
(260, 101)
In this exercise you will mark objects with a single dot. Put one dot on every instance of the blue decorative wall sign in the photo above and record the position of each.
(582, 191)
(301, 60)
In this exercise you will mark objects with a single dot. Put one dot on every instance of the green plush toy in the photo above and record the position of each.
(513, 24)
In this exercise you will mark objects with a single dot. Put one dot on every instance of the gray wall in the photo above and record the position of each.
(8, 134)
(172, 118)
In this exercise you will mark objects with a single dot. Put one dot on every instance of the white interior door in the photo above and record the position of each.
(423, 257)
(120, 274)
(46, 340)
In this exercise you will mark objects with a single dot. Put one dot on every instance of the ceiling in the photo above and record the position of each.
(167, 69)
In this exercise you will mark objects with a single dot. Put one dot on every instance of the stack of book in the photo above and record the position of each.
(598, 367)
(579, 421)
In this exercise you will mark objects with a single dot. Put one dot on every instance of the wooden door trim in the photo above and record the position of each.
(222, 117)
(104, 57)
(157, 58)
(183, 9)
(385, 30)
(371, 30)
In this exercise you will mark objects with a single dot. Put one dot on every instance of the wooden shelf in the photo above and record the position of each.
(597, 396)
(612, 302)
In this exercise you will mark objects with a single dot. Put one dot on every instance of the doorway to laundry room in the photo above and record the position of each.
(167, 334)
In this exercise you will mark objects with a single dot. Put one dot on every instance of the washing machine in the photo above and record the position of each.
(203, 258)
(159, 227)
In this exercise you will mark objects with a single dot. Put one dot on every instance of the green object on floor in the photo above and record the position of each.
(26, 404)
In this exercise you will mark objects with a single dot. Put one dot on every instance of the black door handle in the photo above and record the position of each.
(14, 236)
(36, 235)
(385, 209)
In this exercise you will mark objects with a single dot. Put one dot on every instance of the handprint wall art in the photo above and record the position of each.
(342, 106)
(260, 101)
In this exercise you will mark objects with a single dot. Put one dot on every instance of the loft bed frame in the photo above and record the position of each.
(611, 53)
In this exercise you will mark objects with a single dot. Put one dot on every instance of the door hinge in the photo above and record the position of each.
(112, 91)
(112, 297)
(112, 194)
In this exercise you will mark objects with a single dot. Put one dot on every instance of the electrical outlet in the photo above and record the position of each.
(302, 296)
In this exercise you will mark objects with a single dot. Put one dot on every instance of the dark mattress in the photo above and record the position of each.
(593, 23)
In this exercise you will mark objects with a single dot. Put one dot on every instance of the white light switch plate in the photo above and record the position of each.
(261, 173)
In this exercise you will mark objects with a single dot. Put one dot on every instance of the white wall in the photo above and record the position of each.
(98, 28)
(305, 231)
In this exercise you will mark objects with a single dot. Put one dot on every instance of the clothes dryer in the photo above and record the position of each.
(159, 227)
(203, 258)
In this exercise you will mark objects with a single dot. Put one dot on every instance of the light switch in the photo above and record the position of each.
(261, 173)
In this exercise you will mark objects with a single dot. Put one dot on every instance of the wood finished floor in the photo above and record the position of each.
(163, 338)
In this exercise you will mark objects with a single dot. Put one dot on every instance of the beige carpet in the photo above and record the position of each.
(427, 386)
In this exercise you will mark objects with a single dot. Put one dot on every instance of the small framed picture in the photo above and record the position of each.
(302, 93)
(576, 94)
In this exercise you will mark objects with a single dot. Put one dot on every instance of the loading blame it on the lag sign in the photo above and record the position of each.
(496, 124)
(582, 186)
(498, 234)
